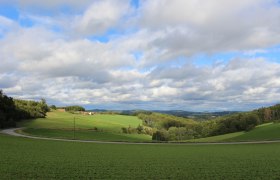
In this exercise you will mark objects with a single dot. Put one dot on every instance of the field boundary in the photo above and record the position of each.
(12, 132)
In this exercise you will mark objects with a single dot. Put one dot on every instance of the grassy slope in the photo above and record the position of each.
(41, 159)
(57, 119)
(269, 131)
(60, 125)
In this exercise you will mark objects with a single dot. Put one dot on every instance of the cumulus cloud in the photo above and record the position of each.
(50, 4)
(190, 27)
(51, 55)
(100, 16)
(6, 24)
(240, 80)
(149, 62)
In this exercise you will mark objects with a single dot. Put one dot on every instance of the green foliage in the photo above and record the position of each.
(53, 107)
(161, 135)
(268, 131)
(74, 108)
(165, 121)
(7, 109)
(139, 130)
(14, 110)
(235, 123)
(31, 109)
(129, 130)
(181, 128)
(269, 114)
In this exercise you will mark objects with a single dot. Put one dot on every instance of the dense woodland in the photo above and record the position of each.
(14, 110)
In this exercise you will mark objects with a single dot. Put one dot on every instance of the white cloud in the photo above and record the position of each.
(6, 24)
(139, 68)
(50, 4)
(101, 16)
(196, 26)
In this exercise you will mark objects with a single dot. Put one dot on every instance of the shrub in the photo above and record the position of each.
(161, 135)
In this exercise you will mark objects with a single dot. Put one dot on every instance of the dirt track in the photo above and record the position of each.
(12, 132)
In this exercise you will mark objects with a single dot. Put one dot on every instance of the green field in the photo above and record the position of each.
(103, 127)
(269, 131)
(23, 158)
(65, 120)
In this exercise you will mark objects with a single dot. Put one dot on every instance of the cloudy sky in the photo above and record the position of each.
(192, 55)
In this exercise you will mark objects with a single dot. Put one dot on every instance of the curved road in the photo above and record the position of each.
(12, 132)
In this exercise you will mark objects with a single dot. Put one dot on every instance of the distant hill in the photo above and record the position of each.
(197, 115)
(180, 113)
(97, 110)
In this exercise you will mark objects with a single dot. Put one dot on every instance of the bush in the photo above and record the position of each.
(129, 130)
(161, 135)
(53, 107)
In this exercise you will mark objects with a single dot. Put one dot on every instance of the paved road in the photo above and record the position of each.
(12, 132)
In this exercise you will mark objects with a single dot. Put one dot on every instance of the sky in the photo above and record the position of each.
(195, 55)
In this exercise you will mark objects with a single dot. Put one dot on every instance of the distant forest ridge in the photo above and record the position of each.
(179, 113)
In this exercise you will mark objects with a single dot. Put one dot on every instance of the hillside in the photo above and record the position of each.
(103, 127)
(268, 131)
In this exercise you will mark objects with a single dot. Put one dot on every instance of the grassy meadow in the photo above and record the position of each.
(65, 120)
(23, 158)
(269, 131)
(103, 127)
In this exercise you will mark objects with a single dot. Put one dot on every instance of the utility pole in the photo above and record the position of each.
(74, 129)
(179, 129)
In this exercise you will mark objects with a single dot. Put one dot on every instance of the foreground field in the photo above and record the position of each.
(269, 131)
(23, 158)
(101, 127)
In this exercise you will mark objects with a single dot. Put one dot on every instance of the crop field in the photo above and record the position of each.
(23, 158)
(269, 131)
(97, 127)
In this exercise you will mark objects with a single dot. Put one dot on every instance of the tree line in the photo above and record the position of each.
(15, 110)
(74, 108)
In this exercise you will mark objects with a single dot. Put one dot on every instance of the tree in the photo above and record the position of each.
(7, 111)
(53, 107)
(161, 135)
(267, 114)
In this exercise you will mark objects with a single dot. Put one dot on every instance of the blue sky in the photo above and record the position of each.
(138, 54)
